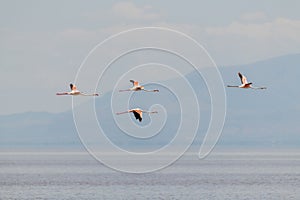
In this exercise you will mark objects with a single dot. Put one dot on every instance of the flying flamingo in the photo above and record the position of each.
(245, 83)
(138, 113)
(75, 92)
(137, 87)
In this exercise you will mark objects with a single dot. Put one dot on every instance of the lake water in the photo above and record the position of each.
(221, 176)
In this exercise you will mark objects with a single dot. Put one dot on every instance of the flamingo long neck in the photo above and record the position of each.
(258, 88)
(151, 90)
(88, 94)
(149, 112)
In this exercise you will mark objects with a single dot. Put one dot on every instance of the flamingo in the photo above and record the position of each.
(138, 87)
(75, 92)
(138, 113)
(245, 83)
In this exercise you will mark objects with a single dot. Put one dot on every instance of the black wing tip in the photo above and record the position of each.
(71, 86)
(137, 116)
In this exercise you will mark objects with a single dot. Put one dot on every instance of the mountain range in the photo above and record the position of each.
(255, 118)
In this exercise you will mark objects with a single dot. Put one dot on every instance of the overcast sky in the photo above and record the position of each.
(42, 43)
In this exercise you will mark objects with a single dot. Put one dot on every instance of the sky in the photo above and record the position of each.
(43, 43)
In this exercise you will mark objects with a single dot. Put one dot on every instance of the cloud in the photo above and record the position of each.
(244, 42)
(129, 10)
(280, 28)
(254, 16)
(72, 33)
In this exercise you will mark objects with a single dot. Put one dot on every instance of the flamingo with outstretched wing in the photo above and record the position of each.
(245, 83)
(138, 87)
(138, 113)
(75, 92)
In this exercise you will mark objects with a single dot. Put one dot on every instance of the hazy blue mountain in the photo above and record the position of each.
(37, 129)
(255, 118)
(268, 117)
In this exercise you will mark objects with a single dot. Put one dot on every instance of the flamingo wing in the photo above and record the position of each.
(73, 87)
(138, 115)
(135, 83)
(243, 78)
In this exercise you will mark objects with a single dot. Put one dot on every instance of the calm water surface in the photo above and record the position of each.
(78, 176)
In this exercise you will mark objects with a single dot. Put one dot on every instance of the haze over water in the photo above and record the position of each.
(220, 176)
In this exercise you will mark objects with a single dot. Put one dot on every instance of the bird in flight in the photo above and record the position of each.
(245, 83)
(138, 113)
(138, 87)
(75, 92)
